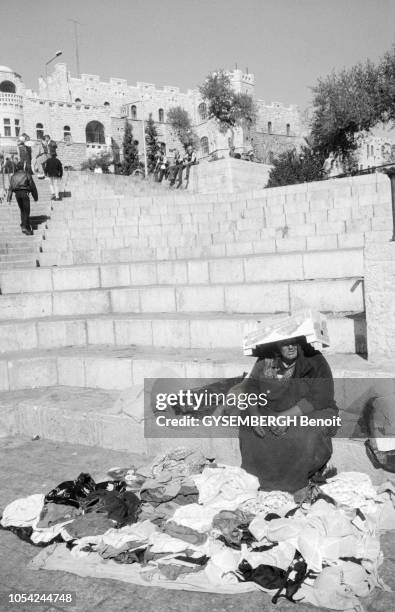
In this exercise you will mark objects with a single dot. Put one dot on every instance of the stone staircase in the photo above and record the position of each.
(135, 286)
(16, 249)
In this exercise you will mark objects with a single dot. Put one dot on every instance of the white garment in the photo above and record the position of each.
(195, 516)
(46, 534)
(279, 502)
(163, 543)
(280, 556)
(54, 185)
(138, 532)
(23, 512)
(351, 489)
(222, 566)
(225, 488)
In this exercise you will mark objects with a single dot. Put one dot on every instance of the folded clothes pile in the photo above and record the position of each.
(197, 525)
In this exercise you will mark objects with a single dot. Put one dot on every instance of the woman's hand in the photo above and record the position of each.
(279, 430)
(260, 431)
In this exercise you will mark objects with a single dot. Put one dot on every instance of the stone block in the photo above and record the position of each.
(26, 306)
(81, 302)
(4, 384)
(198, 272)
(52, 334)
(317, 216)
(216, 333)
(100, 331)
(133, 332)
(335, 227)
(21, 336)
(340, 214)
(143, 274)
(318, 243)
(158, 299)
(107, 373)
(333, 264)
(23, 281)
(291, 244)
(171, 272)
(125, 300)
(380, 223)
(328, 296)
(71, 371)
(226, 271)
(267, 298)
(171, 333)
(117, 275)
(32, 373)
(346, 241)
(296, 231)
(200, 299)
(264, 246)
(358, 225)
(81, 277)
(298, 218)
(273, 268)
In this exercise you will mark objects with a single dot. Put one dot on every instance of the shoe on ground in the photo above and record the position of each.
(53, 197)
(25, 231)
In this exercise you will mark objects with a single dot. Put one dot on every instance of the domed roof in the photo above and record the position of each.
(6, 69)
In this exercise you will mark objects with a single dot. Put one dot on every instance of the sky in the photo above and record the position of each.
(287, 44)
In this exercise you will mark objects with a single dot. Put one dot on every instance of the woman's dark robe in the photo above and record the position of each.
(286, 462)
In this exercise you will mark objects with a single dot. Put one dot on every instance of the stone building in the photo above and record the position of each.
(87, 116)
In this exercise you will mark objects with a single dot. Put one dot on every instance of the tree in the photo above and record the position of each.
(224, 104)
(130, 150)
(350, 102)
(181, 124)
(152, 144)
(292, 167)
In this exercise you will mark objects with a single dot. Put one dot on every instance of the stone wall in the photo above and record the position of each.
(380, 300)
(227, 176)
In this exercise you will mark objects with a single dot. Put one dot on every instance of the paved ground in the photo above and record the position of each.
(35, 466)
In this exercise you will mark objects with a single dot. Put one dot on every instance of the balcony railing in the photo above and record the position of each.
(10, 99)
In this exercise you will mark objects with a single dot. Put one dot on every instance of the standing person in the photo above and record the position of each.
(163, 164)
(189, 160)
(176, 169)
(41, 157)
(28, 145)
(23, 153)
(54, 171)
(22, 184)
(51, 144)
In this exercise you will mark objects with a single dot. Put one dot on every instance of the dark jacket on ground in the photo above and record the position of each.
(22, 182)
(54, 168)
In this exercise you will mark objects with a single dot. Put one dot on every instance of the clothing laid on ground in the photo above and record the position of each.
(325, 551)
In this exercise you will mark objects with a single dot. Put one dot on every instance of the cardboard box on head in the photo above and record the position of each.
(304, 323)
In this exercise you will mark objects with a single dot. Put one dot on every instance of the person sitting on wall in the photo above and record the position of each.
(189, 160)
(22, 184)
(175, 169)
(297, 381)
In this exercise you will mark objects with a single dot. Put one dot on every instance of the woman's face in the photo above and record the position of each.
(288, 350)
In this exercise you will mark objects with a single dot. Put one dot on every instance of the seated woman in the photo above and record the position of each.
(298, 381)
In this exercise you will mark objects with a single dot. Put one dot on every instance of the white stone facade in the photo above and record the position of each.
(65, 105)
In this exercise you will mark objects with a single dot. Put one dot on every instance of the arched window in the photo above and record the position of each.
(77, 100)
(163, 147)
(133, 112)
(269, 127)
(94, 132)
(106, 104)
(288, 127)
(204, 145)
(202, 110)
(161, 114)
(7, 87)
(67, 133)
(39, 131)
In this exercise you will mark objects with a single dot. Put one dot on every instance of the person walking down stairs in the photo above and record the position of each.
(22, 184)
(54, 171)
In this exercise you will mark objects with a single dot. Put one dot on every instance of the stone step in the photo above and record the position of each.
(29, 256)
(326, 295)
(112, 368)
(18, 263)
(94, 417)
(106, 251)
(347, 331)
(270, 267)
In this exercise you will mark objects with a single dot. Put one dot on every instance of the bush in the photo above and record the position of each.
(292, 167)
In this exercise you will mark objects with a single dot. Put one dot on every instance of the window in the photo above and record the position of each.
(367, 150)
(106, 104)
(202, 110)
(163, 147)
(7, 87)
(94, 132)
(288, 129)
(161, 114)
(133, 112)
(204, 145)
(67, 133)
(77, 100)
(371, 150)
(7, 127)
(270, 157)
(17, 127)
(269, 127)
(39, 131)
